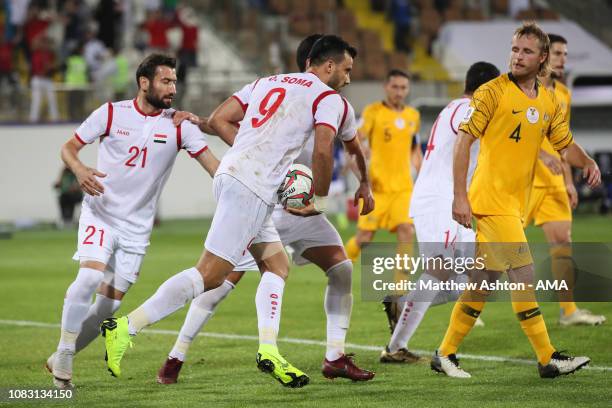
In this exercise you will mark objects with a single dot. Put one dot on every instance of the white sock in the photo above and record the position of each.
(76, 306)
(417, 303)
(201, 309)
(445, 296)
(173, 294)
(101, 309)
(338, 306)
(268, 301)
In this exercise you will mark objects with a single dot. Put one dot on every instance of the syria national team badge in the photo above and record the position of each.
(532, 115)
(157, 138)
(399, 123)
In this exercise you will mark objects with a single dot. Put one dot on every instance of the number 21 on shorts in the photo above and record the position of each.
(91, 238)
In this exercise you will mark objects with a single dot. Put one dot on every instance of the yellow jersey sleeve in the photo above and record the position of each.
(559, 132)
(482, 107)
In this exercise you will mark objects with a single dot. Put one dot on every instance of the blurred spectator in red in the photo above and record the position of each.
(7, 73)
(156, 26)
(35, 25)
(43, 67)
(188, 53)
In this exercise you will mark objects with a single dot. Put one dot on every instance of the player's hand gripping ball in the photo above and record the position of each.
(297, 190)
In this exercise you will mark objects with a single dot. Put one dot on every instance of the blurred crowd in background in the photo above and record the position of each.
(74, 49)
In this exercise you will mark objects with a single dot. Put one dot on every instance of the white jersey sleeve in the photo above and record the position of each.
(96, 125)
(329, 109)
(348, 126)
(243, 96)
(191, 139)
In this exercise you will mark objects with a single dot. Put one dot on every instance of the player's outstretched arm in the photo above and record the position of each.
(322, 168)
(462, 213)
(209, 161)
(223, 120)
(364, 192)
(200, 121)
(85, 175)
(575, 156)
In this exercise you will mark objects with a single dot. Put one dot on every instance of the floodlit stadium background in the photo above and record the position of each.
(223, 45)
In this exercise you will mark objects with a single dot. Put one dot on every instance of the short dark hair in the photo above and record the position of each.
(303, 50)
(330, 47)
(478, 74)
(149, 65)
(556, 38)
(396, 72)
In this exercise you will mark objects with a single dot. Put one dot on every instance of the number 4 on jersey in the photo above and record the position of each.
(516, 134)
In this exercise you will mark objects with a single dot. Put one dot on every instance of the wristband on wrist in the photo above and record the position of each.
(320, 203)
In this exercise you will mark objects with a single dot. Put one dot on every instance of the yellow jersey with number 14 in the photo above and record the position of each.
(511, 127)
(390, 134)
(543, 176)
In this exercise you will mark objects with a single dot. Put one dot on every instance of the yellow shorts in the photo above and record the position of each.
(547, 205)
(390, 210)
(501, 242)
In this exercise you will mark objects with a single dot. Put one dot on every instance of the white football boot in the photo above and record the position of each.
(581, 317)
(448, 365)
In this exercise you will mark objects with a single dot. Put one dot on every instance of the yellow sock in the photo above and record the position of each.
(462, 320)
(562, 266)
(532, 323)
(352, 249)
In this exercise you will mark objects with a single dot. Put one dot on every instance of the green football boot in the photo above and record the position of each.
(270, 361)
(117, 340)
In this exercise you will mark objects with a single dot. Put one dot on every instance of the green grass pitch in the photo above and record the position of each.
(36, 268)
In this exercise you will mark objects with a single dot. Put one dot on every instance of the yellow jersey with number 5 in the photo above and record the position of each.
(511, 127)
(390, 135)
(543, 176)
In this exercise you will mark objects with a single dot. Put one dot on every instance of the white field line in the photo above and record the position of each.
(228, 336)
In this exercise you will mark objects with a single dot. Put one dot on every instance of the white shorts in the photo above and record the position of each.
(241, 219)
(439, 235)
(300, 233)
(97, 241)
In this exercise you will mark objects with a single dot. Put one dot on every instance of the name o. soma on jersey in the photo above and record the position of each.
(292, 80)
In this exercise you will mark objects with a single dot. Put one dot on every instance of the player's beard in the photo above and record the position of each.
(335, 82)
(155, 101)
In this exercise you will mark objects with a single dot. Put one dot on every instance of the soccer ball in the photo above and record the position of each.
(297, 190)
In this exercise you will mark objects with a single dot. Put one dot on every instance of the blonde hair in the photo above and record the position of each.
(531, 28)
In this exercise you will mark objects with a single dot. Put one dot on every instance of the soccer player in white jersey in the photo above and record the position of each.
(437, 233)
(245, 187)
(312, 239)
(138, 146)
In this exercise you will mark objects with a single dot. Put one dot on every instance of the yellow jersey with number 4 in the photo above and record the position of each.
(511, 127)
(543, 176)
(390, 134)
